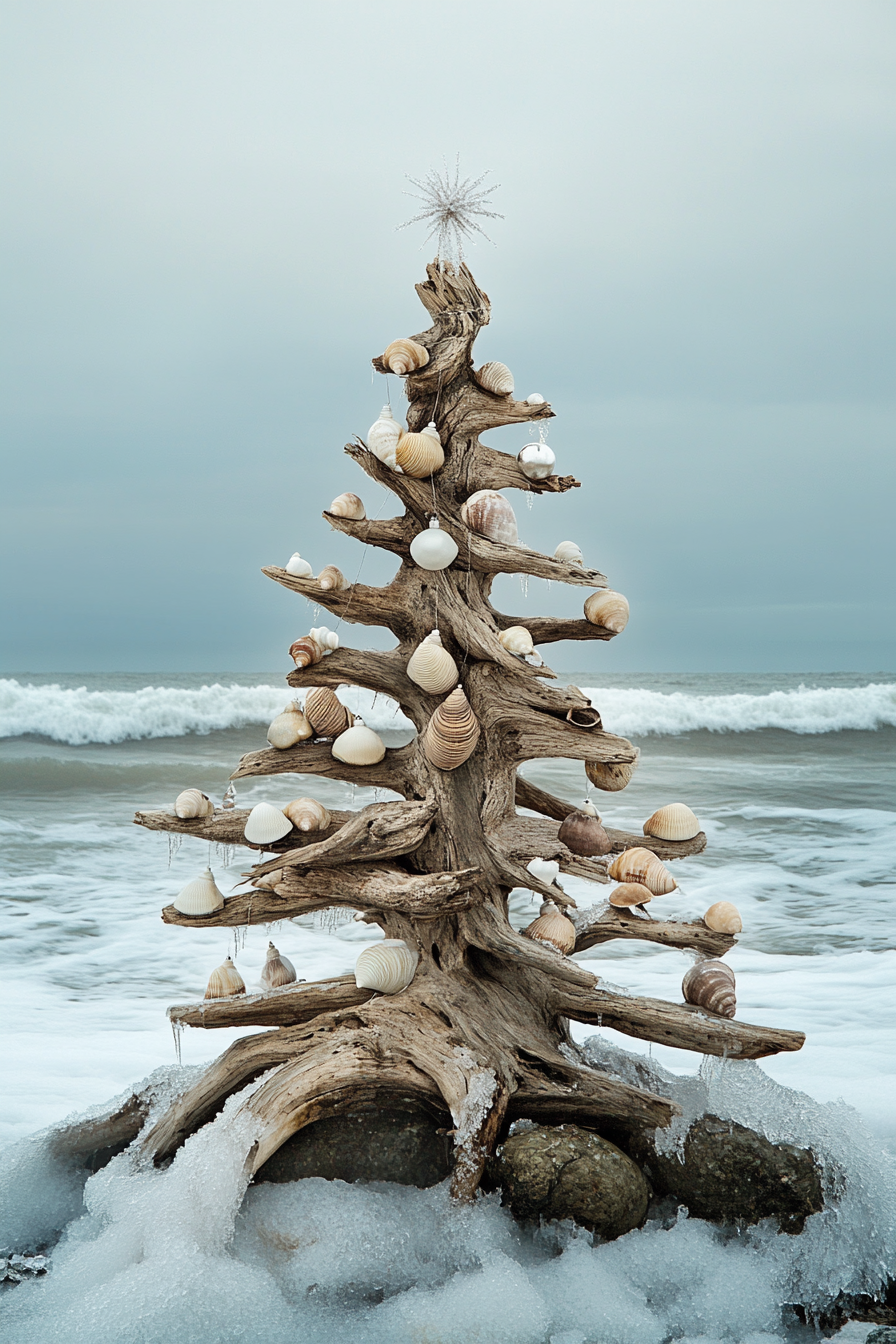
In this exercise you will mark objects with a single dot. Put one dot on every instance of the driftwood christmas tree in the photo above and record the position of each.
(481, 1033)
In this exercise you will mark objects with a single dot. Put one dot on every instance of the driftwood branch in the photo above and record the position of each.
(286, 1007)
(396, 771)
(539, 800)
(227, 828)
(603, 925)
(379, 831)
(550, 629)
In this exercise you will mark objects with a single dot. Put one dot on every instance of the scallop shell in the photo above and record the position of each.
(224, 981)
(452, 733)
(723, 917)
(675, 821)
(200, 897)
(348, 506)
(630, 893)
(552, 926)
(359, 745)
(277, 970)
(711, 985)
(193, 803)
(327, 639)
(610, 776)
(326, 713)
(431, 667)
(299, 568)
(331, 578)
(289, 728)
(516, 639)
(383, 436)
(584, 834)
(569, 552)
(404, 356)
(536, 461)
(433, 549)
(490, 514)
(495, 377)
(305, 651)
(388, 967)
(642, 865)
(266, 824)
(608, 609)
(419, 455)
(544, 870)
(307, 814)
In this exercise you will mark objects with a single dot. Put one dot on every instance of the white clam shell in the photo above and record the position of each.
(289, 728)
(193, 803)
(200, 897)
(545, 870)
(536, 461)
(675, 821)
(570, 552)
(431, 667)
(224, 981)
(359, 745)
(298, 567)
(516, 639)
(383, 436)
(265, 824)
(434, 548)
(277, 970)
(608, 609)
(495, 377)
(388, 967)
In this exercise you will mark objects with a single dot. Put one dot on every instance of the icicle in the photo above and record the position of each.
(174, 844)
(530, 499)
(229, 802)
(332, 918)
(224, 854)
(177, 1030)
(240, 933)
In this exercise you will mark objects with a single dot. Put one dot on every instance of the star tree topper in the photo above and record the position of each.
(451, 207)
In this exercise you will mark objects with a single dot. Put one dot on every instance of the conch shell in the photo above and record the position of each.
(516, 639)
(348, 506)
(451, 735)
(388, 967)
(608, 609)
(583, 833)
(307, 814)
(610, 777)
(630, 893)
(569, 552)
(404, 356)
(289, 728)
(326, 713)
(552, 926)
(193, 803)
(675, 821)
(642, 865)
(265, 825)
(277, 970)
(297, 567)
(305, 651)
(383, 436)
(431, 667)
(200, 897)
(331, 578)
(359, 745)
(723, 917)
(419, 455)
(495, 377)
(224, 981)
(490, 514)
(710, 985)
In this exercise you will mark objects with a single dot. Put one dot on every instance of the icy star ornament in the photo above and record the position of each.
(451, 207)
(433, 549)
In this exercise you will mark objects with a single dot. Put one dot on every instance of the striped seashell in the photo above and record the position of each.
(404, 356)
(297, 567)
(265, 825)
(723, 917)
(610, 776)
(359, 745)
(307, 814)
(711, 985)
(289, 728)
(326, 713)
(420, 455)
(630, 893)
(642, 865)
(383, 436)
(332, 578)
(348, 506)
(224, 981)
(516, 639)
(200, 897)
(490, 514)
(388, 967)
(607, 609)
(277, 970)
(305, 651)
(552, 926)
(583, 833)
(431, 667)
(675, 821)
(452, 733)
(569, 553)
(326, 638)
(193, 803)
(495, 377)
(536, 461)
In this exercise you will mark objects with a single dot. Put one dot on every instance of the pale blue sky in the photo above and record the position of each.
(696, 268)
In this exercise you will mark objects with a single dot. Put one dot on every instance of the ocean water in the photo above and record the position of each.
(794, 781)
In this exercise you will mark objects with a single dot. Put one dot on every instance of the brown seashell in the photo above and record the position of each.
(630, 893)
(711, 985)
(419, 455)
(224, 981)
(305, 651)
(490, 514)
(348, 505)
(552, 926)
(451, 735)
(307, 814)
(642, 865)
(277, 970)
(675, 821)
(584, 835)
(723, 917)
(608, 609)
(404, 356)
(610, 776)
(326, 713)
(331, 578)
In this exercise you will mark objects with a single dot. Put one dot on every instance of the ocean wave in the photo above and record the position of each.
(78, 716)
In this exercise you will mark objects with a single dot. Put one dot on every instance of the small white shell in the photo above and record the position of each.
(348, 506)
(298, 567)
(224, 981)
(289, 728)
(723, 917)
(516, 639)
(277, 970)
(200, 897)
(383, 436)
(495, 377)
(265, 824)
(433, 549)
(535, 399)
(431, 667)
(608, 609)
(359, 745)
(675, 821)
(536, 461)
(388, 967)
(325, 638)
(544, 870)
(570, 552)
(307, 814)
(193, 803)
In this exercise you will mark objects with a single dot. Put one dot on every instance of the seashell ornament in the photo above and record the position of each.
(326, 638)
(200, 897)
(610, 776)
(348, 506)
(299, 568)
(452, 733)
(553, 927)
(535, 399)
(516, 639)
(305, 651)
(642, 865)
(536, 461)
(420, 455)
(277, 970)
(404, 356)
(570, 553)
(388, 966)
(228, 802)
(332, 579)
(490, 514)
(431, 667)
(193, 804)
(383, 436)
(495, 377)
(544, 870)
(326, 713)
(711, 985)
(583, 833)
(630, 893)
(289, 728)
(675, 821)
(359, 745)
(307, 814)
(723, 917)
(224, 981)
(265, 825)
(608, 609)
(433, 549)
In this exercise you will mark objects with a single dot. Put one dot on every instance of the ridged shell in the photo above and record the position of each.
(224, 981)
(289, 728)
(388, 967)
(348, 505)
(331, 578)
(434, 548)
(265, 824)
(200, 897)
(452, 733)
(584, 834)
(495, 377)
(327, 714)
(609, 777)
(431, 667)
(326, 638)
(723, 917)
(299, 568)
(383, 436)
(404, 356)
(608, 609)
(193, 803)
(711, 985)
(552, 926)
(307, 814)
(569, 552)
(516, 639)
(630, 893)
(490, 514)
(305, 651)
(419, 455)
(277, 970)
(359, 745)
(642, 865)
(675, 821)
(544, 870)
(536, 461)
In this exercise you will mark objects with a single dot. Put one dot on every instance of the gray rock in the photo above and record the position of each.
(568, 1172)
(884, 1334)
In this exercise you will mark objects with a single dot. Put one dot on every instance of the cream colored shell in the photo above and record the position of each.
(193, 803)
(611, 777)
(419, 455)
(711, 985)
(723, 917)
(388, 967)
(331, 578)
(431, 667)
(307, 814)
(569, 552)
(535, 399)
(348, 505)
(266, 824)
(516, 639)
(552, 926)
(495, 377)
(277, 970)
(630, 893)
(299, 568)
(289, 728)
(326, 638)
(608, 609)
(404, 356)
(326, 713)
(491, 515)
(383, 436)
(675, 821)
(642, 865)
(200, 897)
(359, 745)
(452, 733)
(224, 981)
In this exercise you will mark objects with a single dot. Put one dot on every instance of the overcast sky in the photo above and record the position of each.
(695, 267)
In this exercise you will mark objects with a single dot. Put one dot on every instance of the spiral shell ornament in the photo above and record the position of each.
(326, 713)
(607, 609)
(327, 639)
(404, 356)
(723, 917)
(277, 970)
(419, 455)
(610, 776)
(553, 927)
(452, 733)
(383, 436)
(289, 728)
(307, 814)
(388, 966)
(225, 981)
(332, 579)
(675, 821)
(642, 865)
(348, 505)
(711, 985)
(491, 515)
(193, 804)
(297, 567)
(431, 667)
(495, 377)
(305, 651)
